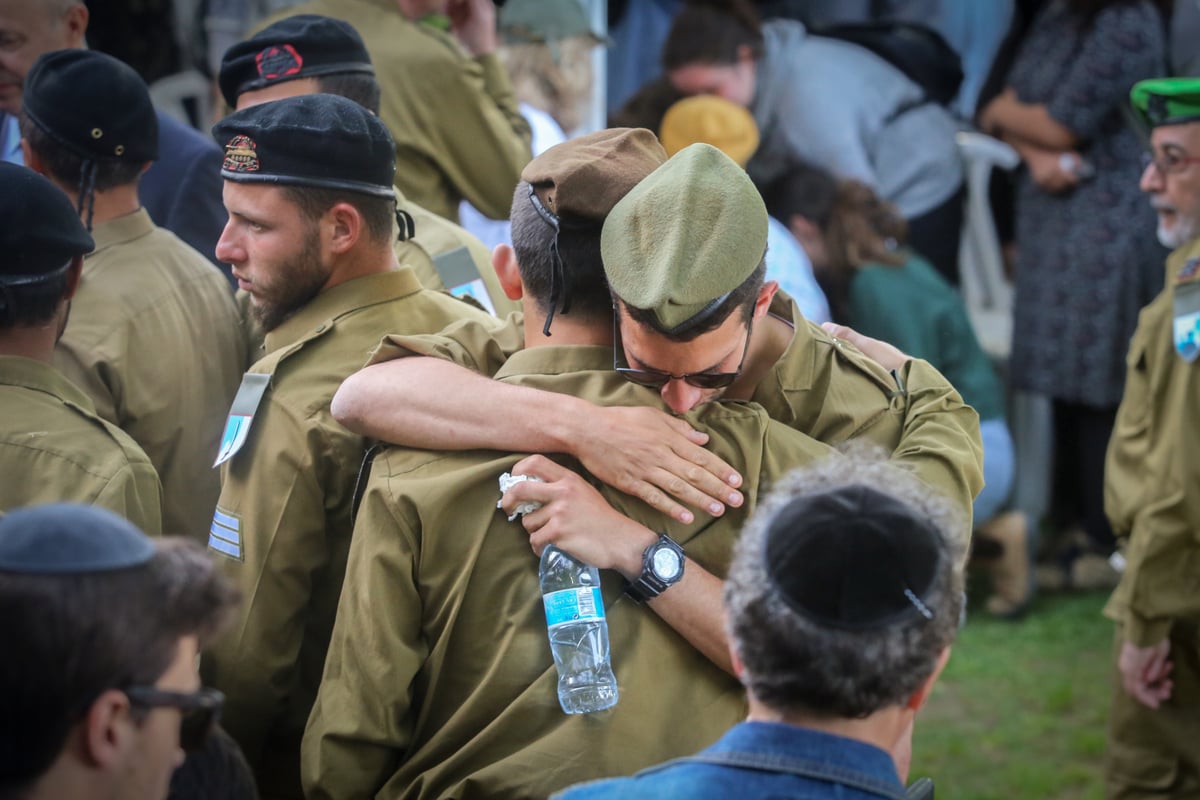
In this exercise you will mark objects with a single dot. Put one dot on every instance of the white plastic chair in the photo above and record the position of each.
(988, 296)
(986, 291)
(168, 95)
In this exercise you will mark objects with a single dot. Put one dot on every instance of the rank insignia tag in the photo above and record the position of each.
(225, 534)
(241, 414)
(1187, 321)
(459, 274)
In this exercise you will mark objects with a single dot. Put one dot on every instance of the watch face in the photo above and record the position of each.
(667, 563)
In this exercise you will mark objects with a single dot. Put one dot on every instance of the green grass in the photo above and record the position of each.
(1021, 709)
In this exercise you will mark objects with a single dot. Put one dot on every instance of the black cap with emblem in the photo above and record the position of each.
(318, 140)
(94, 107)
(301, 46)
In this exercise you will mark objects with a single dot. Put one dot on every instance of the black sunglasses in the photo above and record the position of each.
(201, 711)
(656, 379)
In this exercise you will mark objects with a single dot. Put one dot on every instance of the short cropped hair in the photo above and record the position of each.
(360, 87)
(67, 167)
(33, 304)
(579, 249)
(793, 664)
(742, 299)
(81, 635)
(378, 213)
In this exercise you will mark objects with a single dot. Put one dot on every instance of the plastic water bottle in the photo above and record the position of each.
(578, 633)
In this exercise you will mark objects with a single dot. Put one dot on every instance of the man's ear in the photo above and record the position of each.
(106, 730)
(504, 261)
(918, 698)
(76, 22)
(765, 295)
(344, 226)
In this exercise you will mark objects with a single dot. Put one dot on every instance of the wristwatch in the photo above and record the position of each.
(662, 567)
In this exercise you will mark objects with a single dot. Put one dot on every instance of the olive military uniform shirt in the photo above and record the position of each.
(440, 680)
(459, 133)
(434, 236)
(1153, 469)
(821, 386)
(437, 236)
(155, 340)
(285, 513)
(53, 449)
(1151, 473)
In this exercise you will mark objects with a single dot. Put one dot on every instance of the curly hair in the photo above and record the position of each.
(795, 665)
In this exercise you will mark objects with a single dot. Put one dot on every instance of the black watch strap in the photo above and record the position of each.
(651, 583)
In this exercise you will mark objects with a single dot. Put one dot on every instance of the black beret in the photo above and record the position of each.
(92, 105)
(302, 46)
(316, 140)
(70, 539)
(853, 558)
(40, 231)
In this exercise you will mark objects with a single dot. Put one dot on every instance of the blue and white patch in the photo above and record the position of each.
(241, 415)
(1186, 322)
(461, 277)
(225, 535)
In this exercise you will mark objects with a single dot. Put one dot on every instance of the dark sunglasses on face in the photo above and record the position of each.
(200, 711)
(656, 379)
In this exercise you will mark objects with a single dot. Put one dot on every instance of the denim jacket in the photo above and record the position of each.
(760, 760)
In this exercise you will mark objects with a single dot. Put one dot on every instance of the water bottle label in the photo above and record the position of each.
(573, 605)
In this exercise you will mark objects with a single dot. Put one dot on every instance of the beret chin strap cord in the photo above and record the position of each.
(87, 191)
(408, 226)
(560, 290)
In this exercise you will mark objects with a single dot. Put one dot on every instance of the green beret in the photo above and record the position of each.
(583, 178)
(1166, 101)
(685, 237)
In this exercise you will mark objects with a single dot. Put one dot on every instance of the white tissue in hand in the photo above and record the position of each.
(507, 482)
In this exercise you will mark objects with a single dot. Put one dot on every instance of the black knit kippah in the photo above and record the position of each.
(853, 558)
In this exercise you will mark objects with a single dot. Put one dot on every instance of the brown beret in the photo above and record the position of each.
(583, 178)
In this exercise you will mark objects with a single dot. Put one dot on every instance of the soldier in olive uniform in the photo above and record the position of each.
(308, 187)
(1151, 476)
(308, 53)
(446, 98)
(53, 447)
(676, 300)
(453, 692)
(154, 338)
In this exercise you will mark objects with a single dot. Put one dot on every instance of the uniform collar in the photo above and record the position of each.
(324, 309)
(122, 229)
(557, 360)
(1179, 260)
(41, 377)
